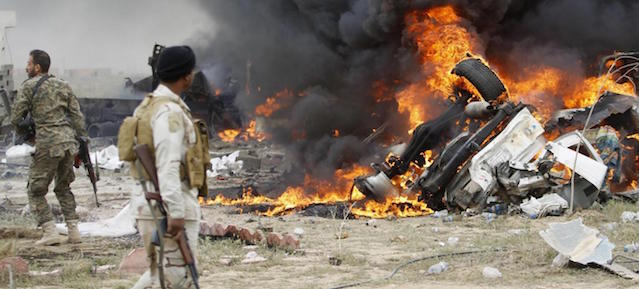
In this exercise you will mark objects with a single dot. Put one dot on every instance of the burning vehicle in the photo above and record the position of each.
(504, 156)
(480, 134)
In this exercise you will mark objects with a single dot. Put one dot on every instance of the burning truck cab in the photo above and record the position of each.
(486, 149)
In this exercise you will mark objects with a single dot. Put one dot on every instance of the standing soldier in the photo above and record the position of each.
(178, 144)
(58, 121)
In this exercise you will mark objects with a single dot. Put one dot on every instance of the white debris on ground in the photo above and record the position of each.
(438, 268)
(491, 273)
(578, 242)
(225, 165)
(107, 158)
(19, 154)
(628, 216)
(252, 257)
(549, 203)
(120, 225)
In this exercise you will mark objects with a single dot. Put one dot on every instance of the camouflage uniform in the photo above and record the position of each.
(58, 120)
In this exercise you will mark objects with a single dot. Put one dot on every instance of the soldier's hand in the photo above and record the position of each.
(77, 161)
(175, 228)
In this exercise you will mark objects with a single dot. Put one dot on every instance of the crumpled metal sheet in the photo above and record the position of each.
(520, 133)
(544, 205)
(623, 108)
(590, 169)
(580, 243)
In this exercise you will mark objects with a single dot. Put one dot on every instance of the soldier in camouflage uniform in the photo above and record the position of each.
(58, 121)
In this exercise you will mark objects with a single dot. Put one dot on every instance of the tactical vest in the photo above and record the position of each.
(137, 130)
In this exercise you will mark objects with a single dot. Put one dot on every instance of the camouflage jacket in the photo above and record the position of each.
(55, 112)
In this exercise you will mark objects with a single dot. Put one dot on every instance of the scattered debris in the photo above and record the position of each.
(225, 165)
(103, 269)
(517, 232)
(491, 273)
(335, 261)
(398, 239)
(631, 248)
(121, 224)
(299, 232)
(560, 261)
(549, 204)
(452, 241)
(252, 237)
(107, 158)
(489, 216)
(438, 268)
(55, 272)
(341, 235)
(578, 242)
(252, 257)
(225, 261)
(7, 174)
(19, 154)
(628, 217)
(440, 214)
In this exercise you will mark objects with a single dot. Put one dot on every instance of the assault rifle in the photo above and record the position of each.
(147, 160)
(26, 130)
(83, 155)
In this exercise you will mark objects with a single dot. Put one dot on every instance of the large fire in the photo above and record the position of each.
(440, 38)
(441, 41)
(339, 190)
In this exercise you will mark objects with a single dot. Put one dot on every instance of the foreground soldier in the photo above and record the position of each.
(58, 121)
(163, 122)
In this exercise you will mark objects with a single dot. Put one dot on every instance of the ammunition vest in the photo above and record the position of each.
(136, 130)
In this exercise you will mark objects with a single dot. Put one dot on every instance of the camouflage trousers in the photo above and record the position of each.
(42, 171)
(175, 272)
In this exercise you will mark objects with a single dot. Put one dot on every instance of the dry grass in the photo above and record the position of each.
(370, 252)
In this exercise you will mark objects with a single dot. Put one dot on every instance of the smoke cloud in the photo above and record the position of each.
(341, 54)
(117, 34)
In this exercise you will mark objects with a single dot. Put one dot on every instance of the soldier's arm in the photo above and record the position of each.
(20, 106)
(168, 133)
(75, 115)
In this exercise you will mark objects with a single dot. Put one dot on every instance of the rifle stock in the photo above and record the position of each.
(148, 163)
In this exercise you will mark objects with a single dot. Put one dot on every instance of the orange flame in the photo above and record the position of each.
(338, 190)
(251, 133)
(272, 105)
(441, 41)
(229, 135)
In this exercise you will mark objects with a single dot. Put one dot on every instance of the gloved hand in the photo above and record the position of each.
(175, 228)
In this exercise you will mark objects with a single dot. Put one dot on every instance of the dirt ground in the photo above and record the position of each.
(370, 251)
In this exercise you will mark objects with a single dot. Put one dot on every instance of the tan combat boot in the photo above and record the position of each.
(50, 236)
(74, 234)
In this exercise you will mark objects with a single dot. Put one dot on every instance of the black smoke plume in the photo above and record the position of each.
(341, 54)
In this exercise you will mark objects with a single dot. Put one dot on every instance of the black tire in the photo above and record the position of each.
(481, 76)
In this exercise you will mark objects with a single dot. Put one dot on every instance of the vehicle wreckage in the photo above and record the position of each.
(486, 149)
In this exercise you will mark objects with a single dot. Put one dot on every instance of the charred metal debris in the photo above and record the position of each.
(488, 151)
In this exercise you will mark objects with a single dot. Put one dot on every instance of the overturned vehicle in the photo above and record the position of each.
(486, 151)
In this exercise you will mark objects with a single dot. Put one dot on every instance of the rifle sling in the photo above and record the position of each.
(39, 83)
(35, 90)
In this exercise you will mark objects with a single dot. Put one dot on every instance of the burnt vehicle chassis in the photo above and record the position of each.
(468, 170)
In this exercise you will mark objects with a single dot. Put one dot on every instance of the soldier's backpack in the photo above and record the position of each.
(136, 130)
